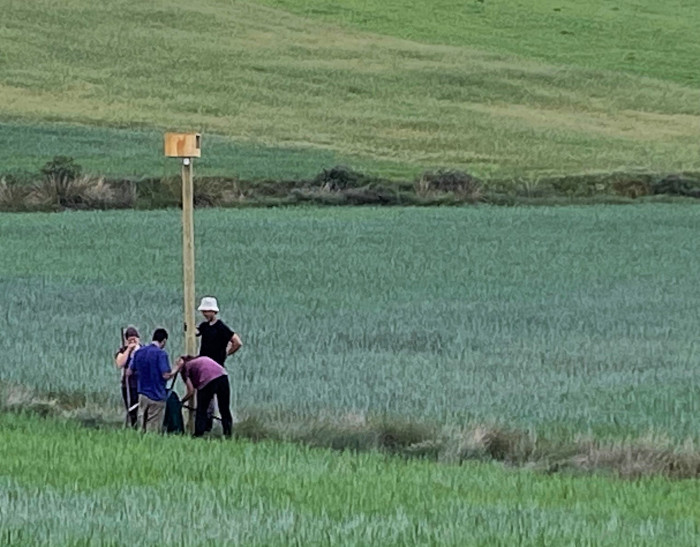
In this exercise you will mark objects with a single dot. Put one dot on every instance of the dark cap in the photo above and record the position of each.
(131, 332)
(160, 335)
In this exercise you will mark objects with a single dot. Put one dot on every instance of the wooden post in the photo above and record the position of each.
(188, 271)
(188, 255)
(187, 146)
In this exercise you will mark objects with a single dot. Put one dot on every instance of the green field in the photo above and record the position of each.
(156, 490)
(498, 89)
(571, 320)
(134, 152)
(568, 333)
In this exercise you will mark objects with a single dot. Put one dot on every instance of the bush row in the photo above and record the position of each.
(61, 184)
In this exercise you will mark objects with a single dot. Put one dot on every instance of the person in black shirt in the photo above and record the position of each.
(218, 341)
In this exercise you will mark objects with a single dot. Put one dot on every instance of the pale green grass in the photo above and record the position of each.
(62, 485)
(264, 76)
(644, 37)
(572, 320)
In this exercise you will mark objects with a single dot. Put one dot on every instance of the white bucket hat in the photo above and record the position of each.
(209, 304)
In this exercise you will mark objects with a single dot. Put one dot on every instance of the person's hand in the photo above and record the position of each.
(131, 346)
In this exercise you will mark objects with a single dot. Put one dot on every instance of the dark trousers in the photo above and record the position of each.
(131, 399)
(220, 388)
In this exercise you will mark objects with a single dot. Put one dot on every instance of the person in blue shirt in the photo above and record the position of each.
(152, 368)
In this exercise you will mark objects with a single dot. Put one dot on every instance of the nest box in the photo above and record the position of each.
(183, 145)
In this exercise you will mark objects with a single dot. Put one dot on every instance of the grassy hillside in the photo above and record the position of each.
(120, 152)
(643, 37)
(61, 485)
(394, 88)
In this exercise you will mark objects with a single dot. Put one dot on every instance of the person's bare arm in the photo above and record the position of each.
(170, 373)
(122, 358)
(234, 345)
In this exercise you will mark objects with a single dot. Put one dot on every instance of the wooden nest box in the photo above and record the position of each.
(183, 145)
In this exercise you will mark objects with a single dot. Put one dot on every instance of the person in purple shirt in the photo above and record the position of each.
(152, 369)
(210, 380)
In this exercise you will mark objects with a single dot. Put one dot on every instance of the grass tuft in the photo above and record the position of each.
(639, 458)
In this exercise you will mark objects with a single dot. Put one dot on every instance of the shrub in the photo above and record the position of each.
(61, 185)
(14, 189)
(632, 188)
(84, 192)
(678, 185)
(459, 183)
(341, 178)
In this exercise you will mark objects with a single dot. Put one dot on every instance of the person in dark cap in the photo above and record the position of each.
(122, 360)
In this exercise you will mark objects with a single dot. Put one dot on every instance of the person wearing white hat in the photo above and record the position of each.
(218, 341)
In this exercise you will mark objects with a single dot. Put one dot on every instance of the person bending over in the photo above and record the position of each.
(210, 380)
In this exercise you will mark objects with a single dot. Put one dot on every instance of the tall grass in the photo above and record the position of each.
(60, 484)
(264, 76)
(567, 320)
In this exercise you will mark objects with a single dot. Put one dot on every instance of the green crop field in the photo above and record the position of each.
(496, 88)
(156, 491)
(576, 319)
(552, 339)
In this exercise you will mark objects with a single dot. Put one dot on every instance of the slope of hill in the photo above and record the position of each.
(643, 37)
(394, 102)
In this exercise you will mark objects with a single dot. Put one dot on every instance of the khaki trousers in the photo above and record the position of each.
(151, 414)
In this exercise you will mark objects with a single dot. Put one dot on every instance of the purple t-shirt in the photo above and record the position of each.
(202, 370)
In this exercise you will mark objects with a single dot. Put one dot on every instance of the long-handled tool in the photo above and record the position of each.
(194, 409)
(129, 407)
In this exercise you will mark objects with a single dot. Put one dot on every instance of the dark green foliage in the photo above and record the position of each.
(331, 187)
(679, 185)
(61, 184)
(63, 169)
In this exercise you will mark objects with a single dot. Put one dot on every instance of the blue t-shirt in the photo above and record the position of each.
(150, 363)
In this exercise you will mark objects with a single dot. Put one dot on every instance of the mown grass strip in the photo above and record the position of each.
(178, 490)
